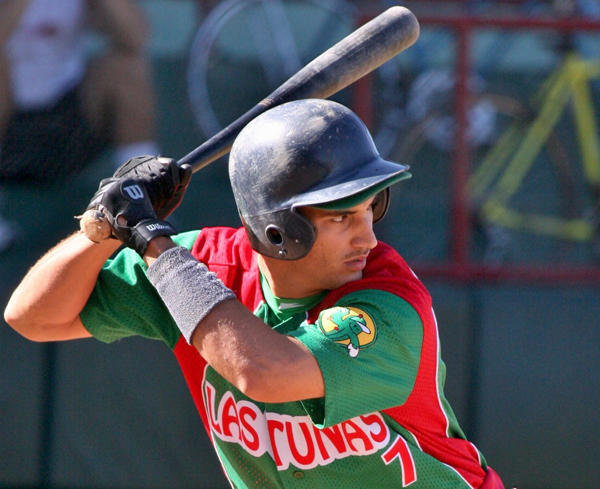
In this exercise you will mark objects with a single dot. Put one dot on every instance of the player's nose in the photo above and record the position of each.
(365, 235)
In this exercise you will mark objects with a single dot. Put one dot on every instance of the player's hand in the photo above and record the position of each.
(165, 181)
(128, 209)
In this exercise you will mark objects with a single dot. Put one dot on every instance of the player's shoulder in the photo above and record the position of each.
(371, 317)
(223, 246)
(384, 260)
(387, 271)
(380, 304)
(186, 239)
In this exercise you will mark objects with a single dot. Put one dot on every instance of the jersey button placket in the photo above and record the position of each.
(298, 474)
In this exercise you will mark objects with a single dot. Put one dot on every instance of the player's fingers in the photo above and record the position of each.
(170, 168)
(185, 175)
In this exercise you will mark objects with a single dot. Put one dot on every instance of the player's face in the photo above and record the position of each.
(344, 240)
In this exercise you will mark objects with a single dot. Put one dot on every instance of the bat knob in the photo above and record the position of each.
(94, 225)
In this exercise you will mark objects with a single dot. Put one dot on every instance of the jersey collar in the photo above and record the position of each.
(286, 308)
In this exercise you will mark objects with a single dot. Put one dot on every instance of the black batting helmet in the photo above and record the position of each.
(304, 153)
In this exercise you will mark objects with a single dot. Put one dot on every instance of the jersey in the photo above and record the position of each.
(384, 421)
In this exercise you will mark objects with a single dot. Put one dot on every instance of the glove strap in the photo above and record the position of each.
(147, 230)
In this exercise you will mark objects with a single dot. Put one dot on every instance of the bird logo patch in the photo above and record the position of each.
(348, 326)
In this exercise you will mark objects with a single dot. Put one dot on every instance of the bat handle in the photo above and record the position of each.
(221, 143)
(94, 224)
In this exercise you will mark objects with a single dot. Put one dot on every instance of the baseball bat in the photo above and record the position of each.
(353, 57)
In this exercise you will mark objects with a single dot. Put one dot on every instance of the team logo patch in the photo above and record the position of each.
(349, 326)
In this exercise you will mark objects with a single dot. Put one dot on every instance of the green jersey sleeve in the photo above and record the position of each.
(368, 347)
(124, 302)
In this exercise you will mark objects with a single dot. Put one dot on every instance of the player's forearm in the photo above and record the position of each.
(123, 21)
(156, 247)
(47, 302)
(265, 365)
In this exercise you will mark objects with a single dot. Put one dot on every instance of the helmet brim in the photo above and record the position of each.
(368, 181)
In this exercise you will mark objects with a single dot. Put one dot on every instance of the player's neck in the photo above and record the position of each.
(285, 280)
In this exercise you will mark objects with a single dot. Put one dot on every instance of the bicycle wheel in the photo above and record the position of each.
(245, 49)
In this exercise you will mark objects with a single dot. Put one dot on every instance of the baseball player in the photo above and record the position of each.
(310, 348)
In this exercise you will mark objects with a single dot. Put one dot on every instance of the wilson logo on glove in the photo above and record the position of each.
(134, 192)
(157, 226)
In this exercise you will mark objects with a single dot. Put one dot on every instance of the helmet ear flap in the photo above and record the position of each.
(382, 204)
(274, 235)
(283, 235)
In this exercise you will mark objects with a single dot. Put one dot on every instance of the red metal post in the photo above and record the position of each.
(362, 100)
(460, 217)
(362, 90)
(460, 267)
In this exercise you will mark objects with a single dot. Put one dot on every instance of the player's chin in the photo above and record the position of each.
(349, 275)
(356, 265)
(334, 278)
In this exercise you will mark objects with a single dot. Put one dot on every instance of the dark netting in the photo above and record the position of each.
(46, 146)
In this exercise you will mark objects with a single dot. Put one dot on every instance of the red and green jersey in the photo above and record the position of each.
(384, 421)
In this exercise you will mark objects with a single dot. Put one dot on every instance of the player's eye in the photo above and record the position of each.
(341, 218)
(376, 201)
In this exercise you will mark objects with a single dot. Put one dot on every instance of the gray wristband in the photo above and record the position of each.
(188, 289)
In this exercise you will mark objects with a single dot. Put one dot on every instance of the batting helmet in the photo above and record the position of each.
(304, 153)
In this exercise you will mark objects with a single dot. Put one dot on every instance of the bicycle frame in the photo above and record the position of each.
(513, 156)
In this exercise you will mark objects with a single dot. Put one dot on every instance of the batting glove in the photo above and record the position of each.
(128, 209)
(165, 181)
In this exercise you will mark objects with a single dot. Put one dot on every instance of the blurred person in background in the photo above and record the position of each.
(62, 103)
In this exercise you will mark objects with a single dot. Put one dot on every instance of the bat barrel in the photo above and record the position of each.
(353, 57)
(361, 52)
